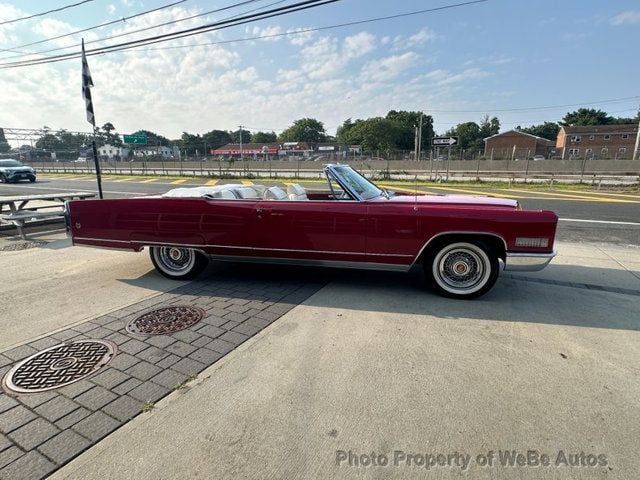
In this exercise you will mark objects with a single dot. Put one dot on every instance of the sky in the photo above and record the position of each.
(504, 58)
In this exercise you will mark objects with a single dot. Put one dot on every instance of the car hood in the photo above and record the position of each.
(16, 169)
(457, 200)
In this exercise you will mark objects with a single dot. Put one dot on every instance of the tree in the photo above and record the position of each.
(489, 127)
(373, 133)
(4, 145)
(469, 136)
(586, 116)
(307, 130)
(264, 137)
(106, 137)
(406, 123)
(246, 136)
(548, 130)
(216, 139)
(154, 138)
(191, 143)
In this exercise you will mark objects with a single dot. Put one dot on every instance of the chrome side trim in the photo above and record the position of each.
(527, 262)
(314, 263)
(457, 232)
(233, 247)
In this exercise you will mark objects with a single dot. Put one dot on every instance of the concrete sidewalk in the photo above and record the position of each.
(364, 366)
(53, 286)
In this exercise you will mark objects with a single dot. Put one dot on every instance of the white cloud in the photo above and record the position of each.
(389, 67)
(301, 36)
(358, 45)
(9, 12)
(401, 42)
(445, 77)
(111, 8)
(271, 32)
(630, 17)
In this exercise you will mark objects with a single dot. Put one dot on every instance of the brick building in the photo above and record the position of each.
(516, 144)
(597, 141)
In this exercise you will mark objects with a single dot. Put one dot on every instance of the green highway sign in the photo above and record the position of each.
(137, 139)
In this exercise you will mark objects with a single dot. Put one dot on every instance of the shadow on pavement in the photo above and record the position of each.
(515, 297)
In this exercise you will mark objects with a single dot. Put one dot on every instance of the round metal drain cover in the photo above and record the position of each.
(58, 366)
(166, 320)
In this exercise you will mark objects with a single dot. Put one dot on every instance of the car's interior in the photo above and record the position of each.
(244, 192)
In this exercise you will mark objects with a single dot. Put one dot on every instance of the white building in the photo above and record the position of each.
(111, 151)
(157, 151)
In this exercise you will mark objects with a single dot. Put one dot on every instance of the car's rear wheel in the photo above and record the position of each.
(463, 269)
(178, 263)
(3, 179)
(33, 179)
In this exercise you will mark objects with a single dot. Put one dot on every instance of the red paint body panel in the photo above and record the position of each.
(385, 231)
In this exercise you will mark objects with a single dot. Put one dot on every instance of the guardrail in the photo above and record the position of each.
(625, 172)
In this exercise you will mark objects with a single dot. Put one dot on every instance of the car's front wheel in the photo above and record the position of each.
(466, 269)
(178, 263)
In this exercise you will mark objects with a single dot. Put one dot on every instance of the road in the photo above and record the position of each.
(595, 216)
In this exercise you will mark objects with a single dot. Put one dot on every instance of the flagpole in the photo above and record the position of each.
(87, 83)
(97, 161)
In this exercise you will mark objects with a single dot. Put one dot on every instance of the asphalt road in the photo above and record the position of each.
(596, 216)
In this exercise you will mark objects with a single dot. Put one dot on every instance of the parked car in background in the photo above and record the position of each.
(459, 240)
(12, 170)
(538, 157)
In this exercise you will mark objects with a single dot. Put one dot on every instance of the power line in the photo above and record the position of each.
(5, 22)
(131, 32)
(123, 19)
(547, 107)
(276, 12)
(317, 29)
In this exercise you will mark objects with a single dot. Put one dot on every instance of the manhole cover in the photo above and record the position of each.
(166, 320)
(58, 366)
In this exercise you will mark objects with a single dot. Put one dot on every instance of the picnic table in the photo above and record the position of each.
(18, 210)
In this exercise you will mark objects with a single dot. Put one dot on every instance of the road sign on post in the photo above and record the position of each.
(136, 139)
(447, 141)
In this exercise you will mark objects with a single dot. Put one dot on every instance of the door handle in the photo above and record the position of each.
(258, 210)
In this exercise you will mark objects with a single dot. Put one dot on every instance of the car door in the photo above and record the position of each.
(229, 227)
(319, 230)
(393, 232)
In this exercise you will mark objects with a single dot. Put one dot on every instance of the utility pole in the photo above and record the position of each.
(241, 151)
(420, 136)
(635, 149)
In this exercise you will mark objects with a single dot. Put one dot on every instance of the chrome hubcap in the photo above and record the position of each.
(174, 260)
(461, 268)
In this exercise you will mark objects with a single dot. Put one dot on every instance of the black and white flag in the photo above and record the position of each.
(87, 83)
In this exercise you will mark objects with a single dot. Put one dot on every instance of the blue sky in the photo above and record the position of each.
(456, 64)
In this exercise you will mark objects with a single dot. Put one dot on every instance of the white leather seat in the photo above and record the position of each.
(246, 193)
(275, 193)
(296, 192)
(226, 194)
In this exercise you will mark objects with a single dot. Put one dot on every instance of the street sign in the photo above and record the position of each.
(447, 141)
(136, 139)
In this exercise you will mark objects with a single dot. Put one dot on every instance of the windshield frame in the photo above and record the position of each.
(352, 182)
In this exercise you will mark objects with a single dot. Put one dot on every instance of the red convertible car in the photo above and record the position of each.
(460, 241)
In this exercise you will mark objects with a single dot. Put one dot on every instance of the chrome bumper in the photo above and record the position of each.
(527, 262)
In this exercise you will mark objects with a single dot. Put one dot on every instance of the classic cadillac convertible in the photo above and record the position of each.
(460, 241)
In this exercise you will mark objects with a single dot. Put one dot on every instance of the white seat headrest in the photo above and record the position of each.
(296, 192)
(245, 192)
(275, 193)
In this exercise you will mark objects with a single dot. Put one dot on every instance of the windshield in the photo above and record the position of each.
(10, 163)
(357, 183)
